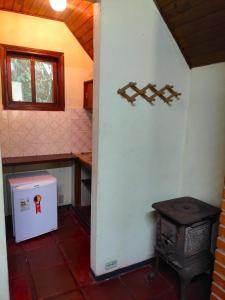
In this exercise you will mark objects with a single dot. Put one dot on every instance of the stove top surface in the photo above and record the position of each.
(186, 210)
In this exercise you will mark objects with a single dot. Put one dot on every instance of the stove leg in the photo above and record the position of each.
(157, 263)
(184, 286)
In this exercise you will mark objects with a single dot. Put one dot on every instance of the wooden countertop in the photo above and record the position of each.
(85, 158)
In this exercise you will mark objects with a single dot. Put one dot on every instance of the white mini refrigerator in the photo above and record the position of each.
(34, 204)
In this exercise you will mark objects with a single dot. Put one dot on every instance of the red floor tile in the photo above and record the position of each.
(21, 288)
(44, 257)
(143, 289)
(108, 290)
(53, 282)
(17, 265)
(76, 250)
(168, 296)
(82, 274)
(68, 231)
(45, 240)
(67, 220)
(13, 248)
(60, 266)
(76, 295)
(77, 253)
(65, 210)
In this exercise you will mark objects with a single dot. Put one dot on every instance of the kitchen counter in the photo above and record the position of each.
(80, 159)
(85, 158)
(29, 160)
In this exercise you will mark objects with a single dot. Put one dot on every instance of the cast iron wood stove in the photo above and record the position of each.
(185, 237)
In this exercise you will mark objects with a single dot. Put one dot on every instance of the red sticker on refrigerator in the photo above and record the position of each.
(37, 201)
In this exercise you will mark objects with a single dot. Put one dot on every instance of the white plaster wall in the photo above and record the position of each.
(204, 156)
(95, 135)
(140, 150)
(4, 288)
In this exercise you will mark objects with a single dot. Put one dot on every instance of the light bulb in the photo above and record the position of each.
(58, 5)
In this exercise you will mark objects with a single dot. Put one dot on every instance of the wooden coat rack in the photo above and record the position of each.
(167, 93)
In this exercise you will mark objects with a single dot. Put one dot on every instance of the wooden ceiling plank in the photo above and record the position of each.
(164, 3)
(43, 6)
(77, 12)
(71, 7)
(178, 7)
(87, 13)
(88, 51)
(211, 58)
(88, 41)
(91, 53)
(200, 11)
(8, 4)
(203, 35)
(45, 11)
(87, 36)
(34, 8)
(200, 25)
(207, 47)
(2, 4)
(26, 6)
(89, 45)
(17, 6)
(85, 28)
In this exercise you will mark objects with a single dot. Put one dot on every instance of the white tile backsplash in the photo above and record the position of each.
(25, 133)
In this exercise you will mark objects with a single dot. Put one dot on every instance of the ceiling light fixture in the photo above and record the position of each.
(58, 5)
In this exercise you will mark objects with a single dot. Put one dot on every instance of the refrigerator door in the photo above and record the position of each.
(35, 210)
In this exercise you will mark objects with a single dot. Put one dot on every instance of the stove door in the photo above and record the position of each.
(197, 238)
(167, 237)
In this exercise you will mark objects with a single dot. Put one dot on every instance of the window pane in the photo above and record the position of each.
(44, 82)
(21, 80)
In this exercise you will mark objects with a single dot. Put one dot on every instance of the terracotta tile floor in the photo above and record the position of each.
(57, 266)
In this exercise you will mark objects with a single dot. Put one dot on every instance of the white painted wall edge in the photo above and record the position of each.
(4, 284)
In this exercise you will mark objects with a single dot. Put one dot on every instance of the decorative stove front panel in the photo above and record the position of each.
(197, 238)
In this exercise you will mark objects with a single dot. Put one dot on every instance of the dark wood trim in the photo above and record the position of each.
(82, 160)
(88, 81)
(3, 64)
(9, 79)
(85, 101)
(56, 58)
(24, 160)
(32, 51)
(85, 159)
(61, 83)
(77, 183)
(33, 85)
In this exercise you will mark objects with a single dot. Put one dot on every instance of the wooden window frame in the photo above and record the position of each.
(57, 60)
